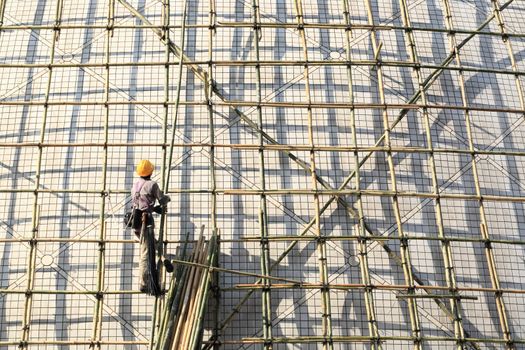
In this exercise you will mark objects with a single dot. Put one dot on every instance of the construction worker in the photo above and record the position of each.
(145, 193)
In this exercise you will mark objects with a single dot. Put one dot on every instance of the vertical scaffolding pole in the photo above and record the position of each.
(209, 92)
(489, 253)
(446, 250)
(165, 37)
(361, 231)
(263, 213)
(321, 241)
(521, 95)
(99, 303)
(31, 261)
(161, 245)
(404, 249)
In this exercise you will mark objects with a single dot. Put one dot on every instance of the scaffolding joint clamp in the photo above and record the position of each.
(369, 287)
(488, 243)
(99, 295)
(28, 293)
(362, 239)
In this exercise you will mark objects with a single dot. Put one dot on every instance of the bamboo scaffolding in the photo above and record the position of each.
(406, 263)
(331, 193)
(295, 105)
(362, 233)
(31, 260)
(181, 323)
(326, 315)
(277, 147)
(227, 25)
(277, 340)
(500, 304)
(292, 284)
(209, 92)
(101, 261)
(521, 95)
(264, 244)
(362, 237)
(167, 154)
(446, 251)
(266, 63)
(280, 238)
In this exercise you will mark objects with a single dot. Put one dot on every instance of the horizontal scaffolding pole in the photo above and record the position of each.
(271, 147)
(230, 103)
(292, 285)
(292, 26)
(268, 63)
(283, 238)
(282, 340)
(436, 296)
(357, 338)
(73, 342)
(276, 192)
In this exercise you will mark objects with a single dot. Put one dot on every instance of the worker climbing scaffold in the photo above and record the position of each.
(145, 193)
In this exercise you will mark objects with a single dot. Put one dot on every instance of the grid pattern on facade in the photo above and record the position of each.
(361, 161)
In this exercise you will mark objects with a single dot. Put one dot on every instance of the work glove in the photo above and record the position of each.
(164, 200)
(158, 209)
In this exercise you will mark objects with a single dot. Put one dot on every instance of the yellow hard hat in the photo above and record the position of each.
(145, 168)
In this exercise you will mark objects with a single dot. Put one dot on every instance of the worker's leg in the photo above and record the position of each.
(143, 264)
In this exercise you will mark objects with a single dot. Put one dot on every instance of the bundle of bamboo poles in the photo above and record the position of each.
(181, 325)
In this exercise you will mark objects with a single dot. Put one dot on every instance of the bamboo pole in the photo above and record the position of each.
(278, 340)
(361, 232)
(234, 104)
(279, 238)
(446, 250)
(291, 284)
(187, 290)
(227, 25)
(404, 249)
(500, 304)
(209, 93)
(521, 95)
(491, 241)
(276, 147)
(98, 309)
(205, 285)
(264, 244)
(262, 63)
(321, 243)
(336, 194)
(31, 260)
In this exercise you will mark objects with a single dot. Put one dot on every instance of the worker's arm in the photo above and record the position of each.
(159, 195)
